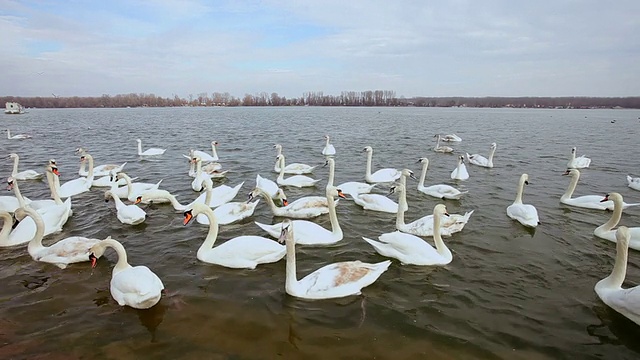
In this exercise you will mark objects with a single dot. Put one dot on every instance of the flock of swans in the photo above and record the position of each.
(29, 221)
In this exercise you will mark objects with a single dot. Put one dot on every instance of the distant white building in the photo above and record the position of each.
(13, 108)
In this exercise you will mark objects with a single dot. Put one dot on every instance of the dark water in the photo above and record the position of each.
(509, 293)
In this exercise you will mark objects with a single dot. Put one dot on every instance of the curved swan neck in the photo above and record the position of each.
(437, 237)
(122, 263)
(620, 266)
(423, 174)
(6, 227)
(16, 159)
(127, 179)
(208, 192)
(90, 173)
(212, 234)
(572, 187)
(83, 168)
(35, 244)
(369, 160)
(615, 217)
(18, 194)
(402, 204)
(52, 186)
(214, 151)
(491, 152)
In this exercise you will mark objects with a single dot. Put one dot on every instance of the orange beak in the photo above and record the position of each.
(94, 260)
(285, 202)
(55, 171)
(138, 200)
(340, 194)
(187, 217)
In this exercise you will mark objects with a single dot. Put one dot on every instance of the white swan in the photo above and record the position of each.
(578, 162)
(460, 172)
(381, 176)
(64, 252)
(268, 186)
(230, 212)
(212, 168)
(352, 188)
(441, 191)
(131, 190)
(292, 210)
(206, 156)
(39, 205)
(103, 170)
(477, 159)
(109, 180)
(424, 226)
(223, 194)
(609, 289)
(25, 174)
(441, 149)
(18, 136)
(606, 231)
(330, 281)
(633, 183)
(9, 203)
(412, 250)
(201, 178)
(295, 180)
(79, 185)
(310, 233)
(150, 151)
(329, 149)
(295, 168)
(525, 214)
(451, 138)
(127, 214)
(7, 226)
(303, 202)
(585, 201)
(135, 286)
(242, 252)
(54, 218)
(376, 202)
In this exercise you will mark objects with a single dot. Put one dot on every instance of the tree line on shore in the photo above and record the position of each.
(346, 98)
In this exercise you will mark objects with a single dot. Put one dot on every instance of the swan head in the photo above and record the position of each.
(440, 209)
(281, 195)
(277, 146)
(326, 137)
(334, 191)
(13, 156)
(368, 149)
(524, 178)
(21, 213)
(408, 173)
(80, 151)
(423, 160)
(52, 161)
(286, 234)
(53, 169)
(138, 141)
(614, 196)
(107, 195)
(97, 250)
(9, 183)
(214, 143)
(623, 236)
(460, 159)
(494, 145)
(196, 209)
(572, 172)
(329, 161)
(196, 159)
(573, 150)
(397, 187)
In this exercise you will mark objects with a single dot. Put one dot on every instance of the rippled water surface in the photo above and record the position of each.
(509, 293)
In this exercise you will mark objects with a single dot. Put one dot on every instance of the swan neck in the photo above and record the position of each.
(15, 166)
(493, 150)
(402, 204)
(437, 237)
(6, 226)
(35, 244)
(519, 193)
(139, 147)
(16, 191)
(208, 192)
(616, 216)
(572, 187)
(122, 263)
(214, 151)
(175, 203)
(52, 186)
(332, 169)
(369, 160)
(423, 175)
(212, 234)
(281, 174)
(83, 168)
(291, 278)
(90, 174)
(333, 217)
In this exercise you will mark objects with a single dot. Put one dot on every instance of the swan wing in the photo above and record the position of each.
(137, 287)
(376, 202)
(341, 279)
(385, 175)
(526, 214)
(625, 301)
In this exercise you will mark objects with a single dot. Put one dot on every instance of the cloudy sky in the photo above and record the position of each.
(413, 47)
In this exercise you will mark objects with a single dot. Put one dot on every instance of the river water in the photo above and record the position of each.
(509, 293)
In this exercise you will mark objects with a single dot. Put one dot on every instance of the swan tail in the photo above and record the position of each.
(456, 196)
(635, 204)
(159, 182)
(267, 228)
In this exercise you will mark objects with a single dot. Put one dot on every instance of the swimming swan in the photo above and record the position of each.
(242, 252)
(477, 159)
(25, 174)
(328, 149)
(633, 183)
(291, 210)
(609, 289)
(460, 172)
(585, 201)
(295, 180)
(64, 252)
(18, 136)
(525, 214)
(441, 191)
(79, 185)
(127, 214)
(310, 233)
(352, 188)
(412, 250)
(135, 286)
(578, 162)
(606, 231)
(382, 175)
(441, 149)
(150, 151)
(295, 168)
(330, 281)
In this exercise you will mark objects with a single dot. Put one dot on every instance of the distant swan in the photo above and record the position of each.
(609, 289)
(18, 136)
(295, 168)
(578, 162)
(330, 281)
(382, 175)
(633, 183)
(451, 138)
(441, 149)
(352, 188)
(477, 159)
(25, 174)
(441, 191)
(328, 149)
(525, 214)
(150, 151)
(290, 210)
